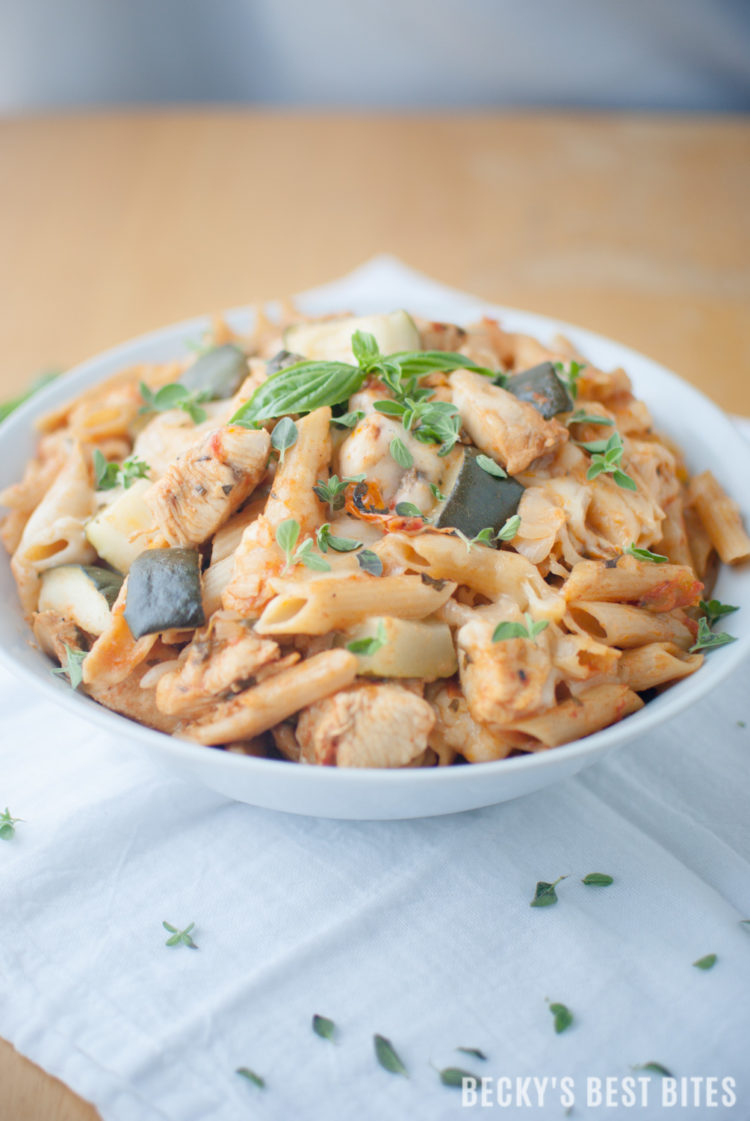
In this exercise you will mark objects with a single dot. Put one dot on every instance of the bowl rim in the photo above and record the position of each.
(678, 697)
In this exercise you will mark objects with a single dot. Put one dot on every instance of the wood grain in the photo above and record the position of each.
(112, 224)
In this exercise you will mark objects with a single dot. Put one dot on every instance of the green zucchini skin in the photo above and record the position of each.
(105, 581)
(478, 499)
(164, 591)
(281, 360)
(541, 387)
(219, 372)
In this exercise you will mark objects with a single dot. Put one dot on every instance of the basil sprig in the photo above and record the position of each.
(310, 385)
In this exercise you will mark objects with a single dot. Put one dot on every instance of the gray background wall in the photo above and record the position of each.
(685, 54)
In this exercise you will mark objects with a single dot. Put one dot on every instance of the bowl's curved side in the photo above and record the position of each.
(687, 416)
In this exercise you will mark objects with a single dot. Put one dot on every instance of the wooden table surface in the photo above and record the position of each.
(113, 224)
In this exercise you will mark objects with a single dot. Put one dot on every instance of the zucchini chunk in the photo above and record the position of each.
(164, 592)
(81, 592)
(281, 360)
(478, 499)
(541, 387)
(219, 372)
(332, 341)
(409, 648)
(119, 532)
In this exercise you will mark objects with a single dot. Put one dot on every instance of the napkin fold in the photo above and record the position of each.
(418, 930)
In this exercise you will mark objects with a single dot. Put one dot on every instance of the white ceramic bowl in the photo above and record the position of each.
(708, 438)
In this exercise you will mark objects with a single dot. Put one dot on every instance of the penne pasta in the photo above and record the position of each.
(721, 517)
(398, 559)
(655, 664)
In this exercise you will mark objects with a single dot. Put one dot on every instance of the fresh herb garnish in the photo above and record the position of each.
(437, 494)
(111, 475)
(309, 385)
(409, 510)
(180, 937)
(323, 1027)
(284, 436)
(545, 894)
(251, 1076)
(707, 640)
(455, 1077)
(563, 1017)
(510, 529)
(580, 416)
(7, 407)
(370, 562)
(745, 923)
(606, 460)
(72, 669)
(369, 646)
(8, 825)
(597, 879)
(491, 467)
(387, 1056)
(646, 555)
(326, 541)
(175, 396)
(474, 1051)
(333, 491)
(707, 962)
(714, 610)
(654, 1068)
(287, 536)
(348, 420)
(570, 375)
(401, 453)
(528, 629)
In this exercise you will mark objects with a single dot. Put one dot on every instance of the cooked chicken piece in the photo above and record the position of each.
(53, 631)
(208, 483)
(130, 699)
(503, 681)
(170, 434)
(367, 452)
(22, 498)
(365, 726)
(509, 430)
(222, 656)
(457, 732)
(439, 336)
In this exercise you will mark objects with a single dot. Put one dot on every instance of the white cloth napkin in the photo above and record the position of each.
(418, 930)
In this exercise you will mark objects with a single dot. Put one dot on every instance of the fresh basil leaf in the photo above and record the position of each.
(408, 510)
(421, 362)
(8, 825)
(580, 416)
(485, 536)
(369, 646)
(707, 962)
(491, 467)
(505, 630)
(370, 562)
(287, 535)
(387, 1056)
(301, 388)
(389, 408)
(437, 494)
(624, 480)
(365, 348)
(180, 937)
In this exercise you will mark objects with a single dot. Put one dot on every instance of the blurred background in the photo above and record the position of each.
(646, 54)
(586, 159)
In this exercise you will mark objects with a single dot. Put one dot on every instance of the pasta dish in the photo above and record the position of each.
(373, 541)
